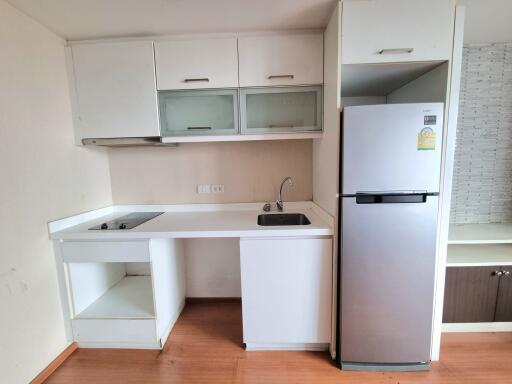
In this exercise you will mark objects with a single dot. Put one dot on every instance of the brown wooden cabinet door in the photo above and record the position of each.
(504, 304)
(470, 294)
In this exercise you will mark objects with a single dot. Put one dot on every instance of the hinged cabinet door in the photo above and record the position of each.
(204, 112)
(286, 290)
(386, 31)
(116, 90)
(295, 59)
(196, 64)
(281, 109)
(504, 302)
(470, 294)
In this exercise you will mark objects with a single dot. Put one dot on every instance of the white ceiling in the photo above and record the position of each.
(88, 19)
(486, 20)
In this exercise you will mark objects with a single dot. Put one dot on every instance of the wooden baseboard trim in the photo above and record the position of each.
(192, 300)
(45, 373)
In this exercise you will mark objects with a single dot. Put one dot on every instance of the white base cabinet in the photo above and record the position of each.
(124, 294)
(286, 293)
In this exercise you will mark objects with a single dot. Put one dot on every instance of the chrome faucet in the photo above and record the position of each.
(279, 201)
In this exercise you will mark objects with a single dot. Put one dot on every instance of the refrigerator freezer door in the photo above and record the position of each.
(392, 147)
(387, 281)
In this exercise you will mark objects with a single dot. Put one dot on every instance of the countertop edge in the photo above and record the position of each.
(57, 229)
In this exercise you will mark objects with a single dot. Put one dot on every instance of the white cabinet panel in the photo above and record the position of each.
(116, 89)
(286, 290)
(281, 60)
(105, 251)
(168, 272)
(191, 64)
(378, 31)
(112, 333)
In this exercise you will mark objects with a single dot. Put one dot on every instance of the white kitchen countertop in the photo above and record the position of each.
(193, 221)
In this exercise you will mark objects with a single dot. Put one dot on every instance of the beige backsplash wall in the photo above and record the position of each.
(250, 172)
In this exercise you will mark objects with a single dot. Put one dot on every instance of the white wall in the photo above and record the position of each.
(43, 177)
(212, 268)
(428, 88)
(483, 160)
(362, 100)
(250, 172)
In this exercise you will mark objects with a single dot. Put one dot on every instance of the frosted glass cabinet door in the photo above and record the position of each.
(192, 113)
(283, 109)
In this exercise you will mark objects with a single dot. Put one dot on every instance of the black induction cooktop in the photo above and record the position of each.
(126, 222)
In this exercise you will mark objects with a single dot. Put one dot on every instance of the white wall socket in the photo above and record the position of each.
(207, 188)
(217, 188)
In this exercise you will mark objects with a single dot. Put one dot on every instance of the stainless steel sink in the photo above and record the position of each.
(273, 219)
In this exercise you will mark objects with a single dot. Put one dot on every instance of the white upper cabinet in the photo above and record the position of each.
(192, 64)
(379, 31)
(294, 59)
(115, 90)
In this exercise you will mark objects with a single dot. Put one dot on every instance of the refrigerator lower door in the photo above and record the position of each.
(387, 281)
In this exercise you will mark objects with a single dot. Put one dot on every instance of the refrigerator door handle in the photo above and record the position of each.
(392, 197)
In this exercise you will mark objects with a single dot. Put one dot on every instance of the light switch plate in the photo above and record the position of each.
(203, 188)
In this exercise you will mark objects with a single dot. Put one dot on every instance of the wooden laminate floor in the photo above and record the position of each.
(205, 346)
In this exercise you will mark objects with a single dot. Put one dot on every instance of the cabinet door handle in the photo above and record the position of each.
(198, 128)
(497, 273)
(280, 77)
(205, 79)
(395, 50)
(280, 126)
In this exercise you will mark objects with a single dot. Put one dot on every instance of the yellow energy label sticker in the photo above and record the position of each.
(426, 139)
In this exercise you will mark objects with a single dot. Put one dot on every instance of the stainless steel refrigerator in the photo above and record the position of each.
(390, 174)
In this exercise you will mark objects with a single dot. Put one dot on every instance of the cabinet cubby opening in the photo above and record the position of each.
(393, 83)
(111, 290)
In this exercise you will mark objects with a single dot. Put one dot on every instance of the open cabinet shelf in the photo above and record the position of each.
(479, 245)
(473, 255)
(480, 233)
(361, 80)
(130, 298)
